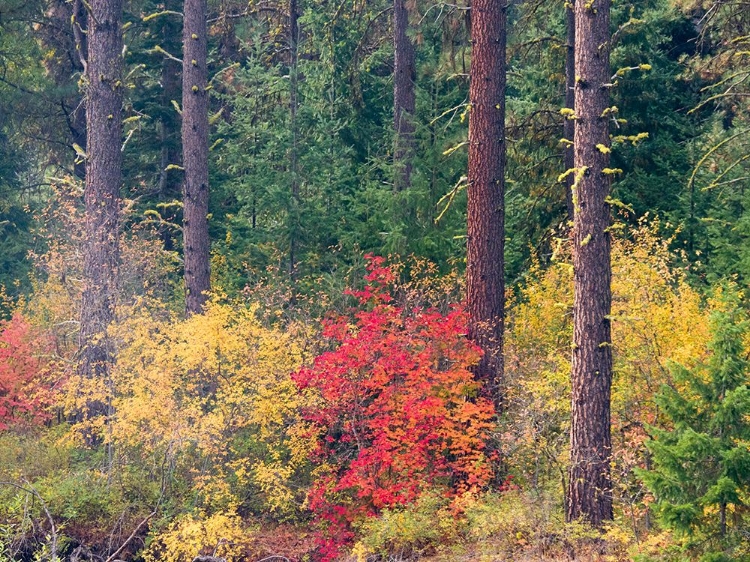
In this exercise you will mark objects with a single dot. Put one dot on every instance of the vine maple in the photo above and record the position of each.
(22, 373)
(397, 409)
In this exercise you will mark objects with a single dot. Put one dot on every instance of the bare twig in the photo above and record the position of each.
(29, 489)
(131, 537)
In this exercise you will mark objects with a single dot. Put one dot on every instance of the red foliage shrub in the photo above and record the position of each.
(24, 367)
(398, 410)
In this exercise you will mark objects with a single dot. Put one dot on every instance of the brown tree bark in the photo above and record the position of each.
(404, 96)
(485, 284)
(170, 179)
(570, 98)
(294, 215)
(590, 489)
(196, 242)
(104, 94)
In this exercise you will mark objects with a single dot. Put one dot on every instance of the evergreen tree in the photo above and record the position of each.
(15, 223)
(485, 282)
(101, 253)
(197, 246)
(294, 200)
(701, 459)
(590, 487)
(169, 122)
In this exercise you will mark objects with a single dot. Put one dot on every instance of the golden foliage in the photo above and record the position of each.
(656, 318)
(146, 270)
(221, 534)
(214, 388)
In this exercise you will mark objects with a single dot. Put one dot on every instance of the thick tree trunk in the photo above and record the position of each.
(104, 92)
(485, 284)
(590, 490)
(195, 156)
(294, 215)
(404, 96)
(570, 98)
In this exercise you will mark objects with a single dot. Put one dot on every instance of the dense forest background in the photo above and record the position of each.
(284, 418)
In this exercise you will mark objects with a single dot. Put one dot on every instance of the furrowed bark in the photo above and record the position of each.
(104, 94)
(485, 284)
(195, 156)
(590, 489)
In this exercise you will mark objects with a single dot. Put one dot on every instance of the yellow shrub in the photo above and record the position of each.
(656, 318)
(212, 392)
(221, 534)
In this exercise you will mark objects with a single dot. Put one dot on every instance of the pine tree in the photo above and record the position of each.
(294, 202)
(701, 460)
(169, 119)
(71, 52)
(104, 94)
(195, 155)
(590, 487)
(485, 284)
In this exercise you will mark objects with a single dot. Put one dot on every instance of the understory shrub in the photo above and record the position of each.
(395, 412)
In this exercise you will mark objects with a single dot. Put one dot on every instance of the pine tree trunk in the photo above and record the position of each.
(294, 217)
(570, 98)
(195, 155)
(104, 93)
(404, 96)
(590, 489)
(485, 284)
(169, 127)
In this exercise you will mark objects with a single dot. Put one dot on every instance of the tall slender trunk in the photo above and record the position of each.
(404, 96)
(104, 94)
(434, 152)
(195, 156)
(169, 126)
(294, 217)
(590, 490)
(570, 98)
(485, 284)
